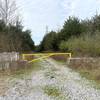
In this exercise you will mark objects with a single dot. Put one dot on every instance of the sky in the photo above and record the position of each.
(37, 14)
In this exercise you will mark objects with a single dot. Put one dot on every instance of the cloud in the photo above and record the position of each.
(82, 9)
(69, 6)
(39, 13)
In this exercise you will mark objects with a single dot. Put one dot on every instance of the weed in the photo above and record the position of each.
(52, 91)
(27, 70)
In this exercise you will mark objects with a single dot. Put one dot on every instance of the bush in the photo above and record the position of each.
(63, 46)
(85, 44)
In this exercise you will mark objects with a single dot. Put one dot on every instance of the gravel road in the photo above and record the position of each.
(54, 82)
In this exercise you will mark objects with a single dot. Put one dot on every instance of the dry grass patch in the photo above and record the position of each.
(89, 68)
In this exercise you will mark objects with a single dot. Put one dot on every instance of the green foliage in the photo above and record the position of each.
(13, 38)
(52, 91)
(91, 25)
(49, 42)
(77, 36)
(85, 44)
(96, 22)
(63, 46)
(72, 27)
(2, 26)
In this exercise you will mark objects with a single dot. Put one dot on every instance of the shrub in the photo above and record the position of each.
(63, 46)
(85, 44)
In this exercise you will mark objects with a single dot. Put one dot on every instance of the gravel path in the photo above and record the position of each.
(53, 82)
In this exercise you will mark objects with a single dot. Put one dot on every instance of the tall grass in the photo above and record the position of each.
(84, 45)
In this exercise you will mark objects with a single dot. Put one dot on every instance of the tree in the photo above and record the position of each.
(49, 42)
(12, 36)
(2, 26)
(28, 44)
(8, 11)
(63, 46)
(96, 22)
(72, 27)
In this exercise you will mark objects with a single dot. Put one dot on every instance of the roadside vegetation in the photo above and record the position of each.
(13, 36)
(52, 91)
(82, 39)
(85, 45)
(88, 67)
(26, 70)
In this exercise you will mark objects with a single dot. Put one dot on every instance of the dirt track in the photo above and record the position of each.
(68, 85)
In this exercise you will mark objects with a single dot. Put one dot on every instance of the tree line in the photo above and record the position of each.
(76, 35)
(12, 35)
(73, 28)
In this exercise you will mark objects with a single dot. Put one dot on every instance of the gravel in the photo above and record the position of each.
(69, 83)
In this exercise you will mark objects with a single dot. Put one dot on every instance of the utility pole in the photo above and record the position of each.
(46, 30)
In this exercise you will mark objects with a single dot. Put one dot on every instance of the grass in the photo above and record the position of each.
(26, 70)
(52, 91)
(89, 69)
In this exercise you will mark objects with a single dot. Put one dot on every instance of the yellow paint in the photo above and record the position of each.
(42, 54)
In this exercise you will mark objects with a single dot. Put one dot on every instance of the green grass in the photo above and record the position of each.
(52, 91)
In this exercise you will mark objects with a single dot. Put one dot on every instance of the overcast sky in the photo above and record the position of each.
(37, 14)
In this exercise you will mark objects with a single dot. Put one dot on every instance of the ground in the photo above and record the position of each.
(54, 81)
